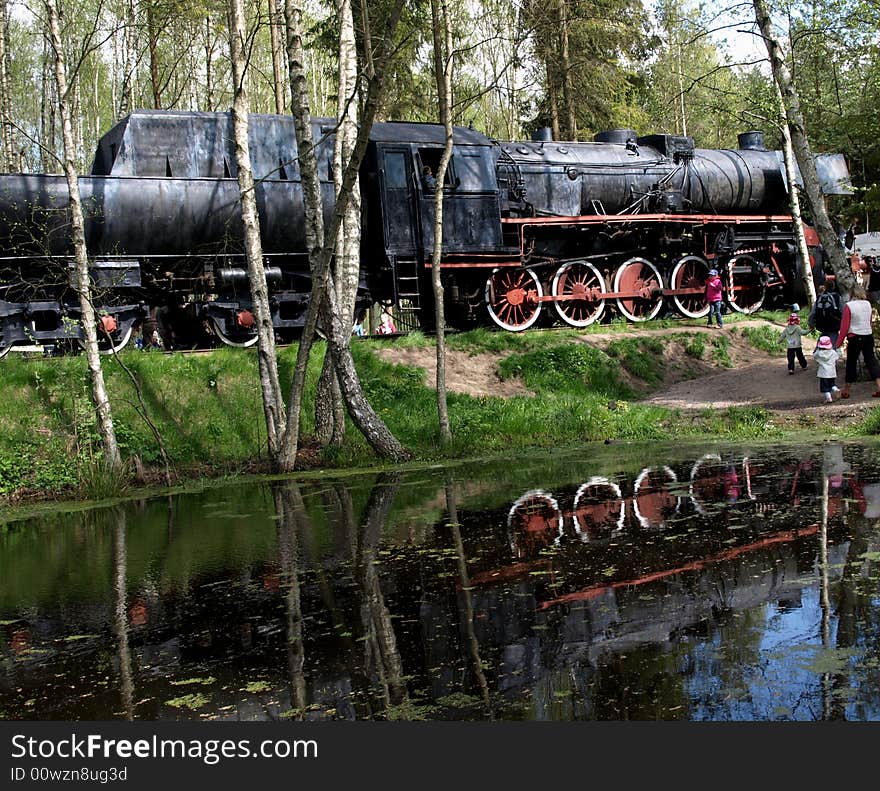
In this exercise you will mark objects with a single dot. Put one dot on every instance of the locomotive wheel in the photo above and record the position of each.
(690, 272)
(599, 509)
(241, 339)
(509, 298)
(534, 522)
(745, 287)
(576, 279)
(5, 348)
(653, 502)
(640, 276)
(706, 485)
(112, 342)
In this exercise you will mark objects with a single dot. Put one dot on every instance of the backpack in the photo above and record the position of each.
(827, 311)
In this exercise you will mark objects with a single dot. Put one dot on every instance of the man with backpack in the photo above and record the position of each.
(826, 314)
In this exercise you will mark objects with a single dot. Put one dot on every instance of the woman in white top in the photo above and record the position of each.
(855, 328)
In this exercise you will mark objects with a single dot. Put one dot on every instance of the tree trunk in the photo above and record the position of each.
(801, 145)
(278, 81)
(47, 115)
(153, 42)
(565, 66)
(77, 222)
(209, 65)
(443, 75)
(320, 246)
(273, 404)
(329, 409)
(129, 59)
(328, 401)
(794, 200)
(9, 155)
(314, 220)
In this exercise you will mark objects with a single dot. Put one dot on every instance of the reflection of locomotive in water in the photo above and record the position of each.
(625, 223)
(599, 510)
(614, 574)
(535, 593)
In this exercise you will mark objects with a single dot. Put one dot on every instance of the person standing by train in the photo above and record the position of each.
(856, 330)
(826, 313)
(713, 297)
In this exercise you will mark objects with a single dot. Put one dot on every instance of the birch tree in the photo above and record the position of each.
(273, 404)
(803, 153)
(794, 201)
(321, 246)
(443, 73)
(81, 256)
(10, 163)
(276, 21)
(329, 409)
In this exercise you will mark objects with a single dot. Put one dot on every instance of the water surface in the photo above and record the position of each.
(628, 582)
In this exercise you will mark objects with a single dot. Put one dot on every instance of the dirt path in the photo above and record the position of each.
(757, 378)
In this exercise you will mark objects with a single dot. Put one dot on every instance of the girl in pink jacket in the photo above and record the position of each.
(713, 297)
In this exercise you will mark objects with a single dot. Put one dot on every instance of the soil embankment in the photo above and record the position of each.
(756, 379)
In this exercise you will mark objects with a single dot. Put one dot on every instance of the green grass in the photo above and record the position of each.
(209, 412)
(765, 339)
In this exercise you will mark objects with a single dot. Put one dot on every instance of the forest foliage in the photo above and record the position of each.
(577, 66)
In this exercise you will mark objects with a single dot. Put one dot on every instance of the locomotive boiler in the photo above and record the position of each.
(624, 224)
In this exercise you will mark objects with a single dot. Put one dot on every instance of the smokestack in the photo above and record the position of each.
(751, 141)
(543, 134)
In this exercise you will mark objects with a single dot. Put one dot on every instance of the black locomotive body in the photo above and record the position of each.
(628, 221)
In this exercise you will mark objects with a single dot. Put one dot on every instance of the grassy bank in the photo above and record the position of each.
(207, 408)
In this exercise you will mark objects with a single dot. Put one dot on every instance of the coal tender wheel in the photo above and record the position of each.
(744, 282)
(512, 298)
(5, 348)
(640, 278)
(237, 336)
(577, 283)
(112, 337)
(691, 272)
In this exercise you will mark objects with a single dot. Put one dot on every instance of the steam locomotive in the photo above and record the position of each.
(533, 231)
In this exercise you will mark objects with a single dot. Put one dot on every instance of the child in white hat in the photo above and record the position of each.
(826, 357)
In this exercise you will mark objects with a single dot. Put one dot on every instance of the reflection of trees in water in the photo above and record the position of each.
(368, 640)
(292, 522)
(381, 654)
(465, 585)
(120, 569)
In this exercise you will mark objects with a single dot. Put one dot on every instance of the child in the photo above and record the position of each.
(713, 297)
(792, 336)
(826, 357)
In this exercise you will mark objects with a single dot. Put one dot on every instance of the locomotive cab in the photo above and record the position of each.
(402, 232)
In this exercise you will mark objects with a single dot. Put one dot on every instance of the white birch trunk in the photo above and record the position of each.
(794, 201)
(443, 75)
(801, 145)
(10, 163)
(320, 246)
(273, 404)
(276, 16)
(83, 286)
(329, 410)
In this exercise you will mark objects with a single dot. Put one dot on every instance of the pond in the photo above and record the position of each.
(627, 582)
